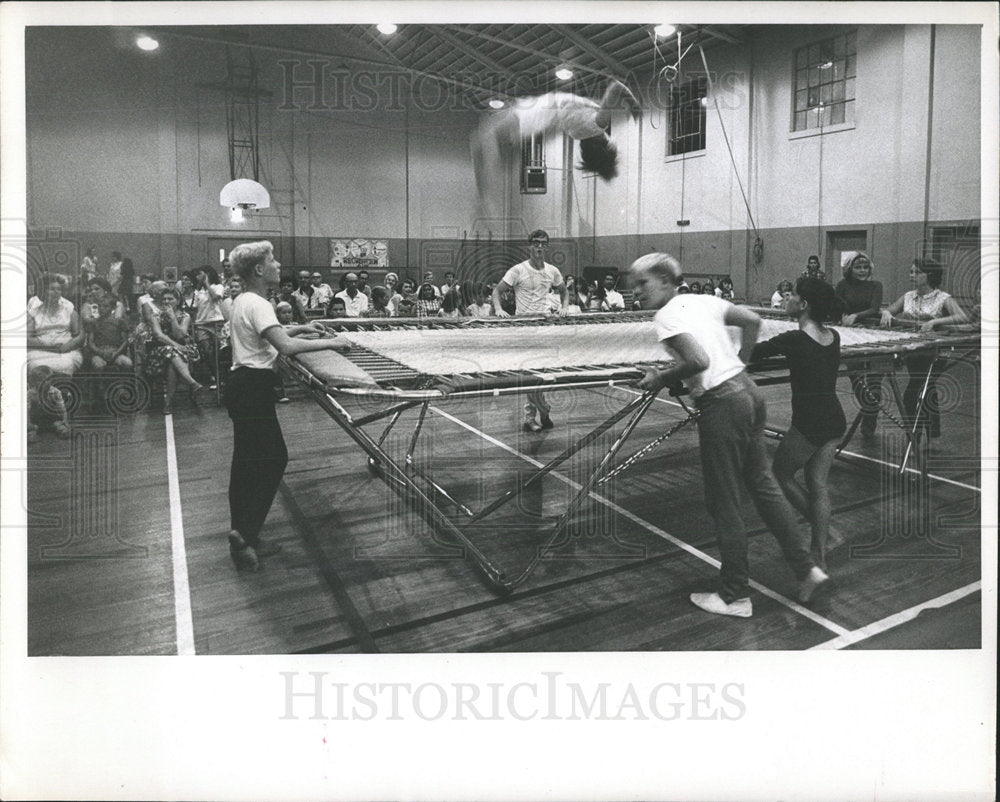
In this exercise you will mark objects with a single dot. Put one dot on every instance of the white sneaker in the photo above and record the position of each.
(817, 576)
(713, 603)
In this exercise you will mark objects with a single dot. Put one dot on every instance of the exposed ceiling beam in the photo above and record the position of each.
(620, 70)
(718, 33)
(558, 60)
(470, 51)
(311, 53)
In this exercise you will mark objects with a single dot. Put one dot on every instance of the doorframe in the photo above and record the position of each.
(833, 270)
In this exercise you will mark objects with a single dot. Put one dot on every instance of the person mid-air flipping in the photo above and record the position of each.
(580, 118)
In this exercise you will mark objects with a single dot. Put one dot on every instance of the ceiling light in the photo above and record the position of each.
(665, 29)
(496, 103)
(147, 43)
(564, 74)
(826, 66)
(388, 28)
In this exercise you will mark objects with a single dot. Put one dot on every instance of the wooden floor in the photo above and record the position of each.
(116, 567)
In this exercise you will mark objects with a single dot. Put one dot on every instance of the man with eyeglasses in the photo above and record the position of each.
(530, 282)
(322, 293)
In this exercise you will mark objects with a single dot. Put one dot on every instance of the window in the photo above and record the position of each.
(824, 83)
(686, 117)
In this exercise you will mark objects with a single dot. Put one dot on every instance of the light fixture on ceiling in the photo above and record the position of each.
(242, 196)
(146, 42)
(665, 29)
(388, 28)
(496, 103)
(564, 73)
(826, 65)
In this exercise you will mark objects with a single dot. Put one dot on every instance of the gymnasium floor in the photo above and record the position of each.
(130, 557)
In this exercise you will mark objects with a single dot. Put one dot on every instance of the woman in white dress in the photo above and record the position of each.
(55, 336)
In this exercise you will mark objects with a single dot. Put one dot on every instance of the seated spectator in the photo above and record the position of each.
(406, 306)
(379, 304)
(106, 329)
(286, 294)
(429, 279)
(55, 337)
(391, 282)
(862, 297)
(695, 288)
(708, 288)
(169, 349)
(337, 308)
(581, 293)
(781, 294)
(322, 293)
(812, 269)
(145, 298)
(304, 290)
(613, 300)
(428, 304)
(355, 301)
(451, 303)
(363, 282)
(480, 305)
(725, 289)
(449, 283)
(46, 405)
(683, 288)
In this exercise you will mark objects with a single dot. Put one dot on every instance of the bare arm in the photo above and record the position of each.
(290, 346)
(894, 309)
(501, 288)
(691, 359)
(749, 325)
(955, 315)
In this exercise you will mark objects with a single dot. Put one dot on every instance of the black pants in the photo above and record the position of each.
(259, 453)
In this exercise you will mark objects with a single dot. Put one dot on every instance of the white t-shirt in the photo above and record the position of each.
(531, 286)
(704, 318)
(356, 306)
(207, 304)
(251, 316)
(558, 111)
(614, 301)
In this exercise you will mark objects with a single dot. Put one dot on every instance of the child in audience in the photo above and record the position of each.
(46, 405)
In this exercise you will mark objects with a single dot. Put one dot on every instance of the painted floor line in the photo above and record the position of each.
(853, 454)
(697, 553)
(182, 590)
(897, 619)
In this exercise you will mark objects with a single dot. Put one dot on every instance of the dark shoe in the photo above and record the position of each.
(193, 392)
(243, 555)
(267, 549)
(547, 422)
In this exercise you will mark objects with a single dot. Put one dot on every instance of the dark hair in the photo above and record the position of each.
(726, 280)
(599, 155)
(538, 234)
(117, 253)
(451, 301)
(694, 284)
(933, 269)
(97, 281)
(381, 293)
(286, 279)
(824, 305)
(811, 257)
(211, 272)
(420, 292)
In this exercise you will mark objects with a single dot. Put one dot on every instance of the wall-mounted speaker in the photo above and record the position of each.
(533, 181)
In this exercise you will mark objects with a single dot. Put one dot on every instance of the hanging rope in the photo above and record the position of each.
(732, 158)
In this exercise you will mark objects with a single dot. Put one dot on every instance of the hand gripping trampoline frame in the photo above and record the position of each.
(402, 389)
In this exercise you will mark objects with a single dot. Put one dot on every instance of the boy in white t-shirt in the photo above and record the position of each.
(259, 452)
(531, 281)
(732, 413)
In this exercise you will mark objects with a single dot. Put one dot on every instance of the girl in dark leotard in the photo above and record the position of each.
(818, 422)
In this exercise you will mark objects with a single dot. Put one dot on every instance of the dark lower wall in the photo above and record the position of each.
(782, 254)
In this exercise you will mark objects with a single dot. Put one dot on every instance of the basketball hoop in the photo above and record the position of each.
(243, 195)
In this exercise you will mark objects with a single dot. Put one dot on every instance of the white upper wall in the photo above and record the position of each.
(120, 140)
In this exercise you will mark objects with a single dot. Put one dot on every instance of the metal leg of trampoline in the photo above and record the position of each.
(642, 402)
